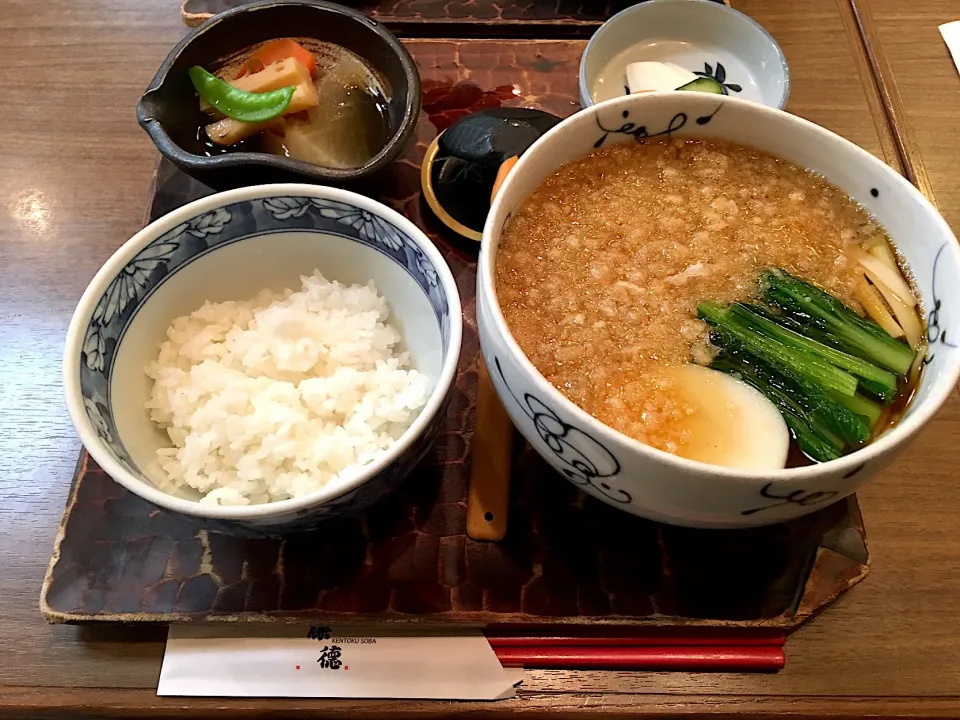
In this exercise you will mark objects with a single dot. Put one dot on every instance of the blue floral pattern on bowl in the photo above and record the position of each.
(186, 242)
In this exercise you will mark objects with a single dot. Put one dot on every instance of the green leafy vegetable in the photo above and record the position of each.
(860, 405)
(814, 358)
(883, 383)
(853, 334)
(819, 409)
(801, 362)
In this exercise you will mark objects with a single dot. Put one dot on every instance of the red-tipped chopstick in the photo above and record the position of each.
(714, 658)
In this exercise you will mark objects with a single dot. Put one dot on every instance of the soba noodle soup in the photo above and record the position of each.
(601, 271)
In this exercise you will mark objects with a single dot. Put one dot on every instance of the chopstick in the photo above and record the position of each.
(690, 658)
(747, 638)
(690, 649)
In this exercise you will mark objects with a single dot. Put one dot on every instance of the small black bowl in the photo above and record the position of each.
(170, 114)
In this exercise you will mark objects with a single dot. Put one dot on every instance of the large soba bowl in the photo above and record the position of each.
(657, 485)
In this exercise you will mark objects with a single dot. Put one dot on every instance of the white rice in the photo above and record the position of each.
(276, 397)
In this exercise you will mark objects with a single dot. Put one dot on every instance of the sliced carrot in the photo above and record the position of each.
(277, 50)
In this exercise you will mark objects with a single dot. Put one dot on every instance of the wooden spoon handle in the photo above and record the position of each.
(488, 503)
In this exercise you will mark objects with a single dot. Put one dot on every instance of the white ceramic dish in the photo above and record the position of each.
(230, 246)
(702, 36)
(655, 484)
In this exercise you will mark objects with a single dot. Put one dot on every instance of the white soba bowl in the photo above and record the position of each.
(230, 246)
(654, 484)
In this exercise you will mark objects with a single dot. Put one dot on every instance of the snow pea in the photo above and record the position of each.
(239, 104)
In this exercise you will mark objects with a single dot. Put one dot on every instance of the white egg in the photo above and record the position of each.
(730, 423)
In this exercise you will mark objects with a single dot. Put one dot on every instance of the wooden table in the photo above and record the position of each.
(922, 87)
(73, 178)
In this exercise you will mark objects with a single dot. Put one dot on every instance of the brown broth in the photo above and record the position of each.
(600, 270)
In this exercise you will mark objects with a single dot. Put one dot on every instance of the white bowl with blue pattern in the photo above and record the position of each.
(654, 484)
(229, 246)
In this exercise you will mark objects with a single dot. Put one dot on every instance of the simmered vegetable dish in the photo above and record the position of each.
(323, 106)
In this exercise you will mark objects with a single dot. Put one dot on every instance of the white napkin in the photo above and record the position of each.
(297, 661)
(951, 36)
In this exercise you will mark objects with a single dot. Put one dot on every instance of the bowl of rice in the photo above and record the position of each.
(266, 358)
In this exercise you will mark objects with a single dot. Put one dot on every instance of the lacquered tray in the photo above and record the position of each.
(567, 558)
(549, 17)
